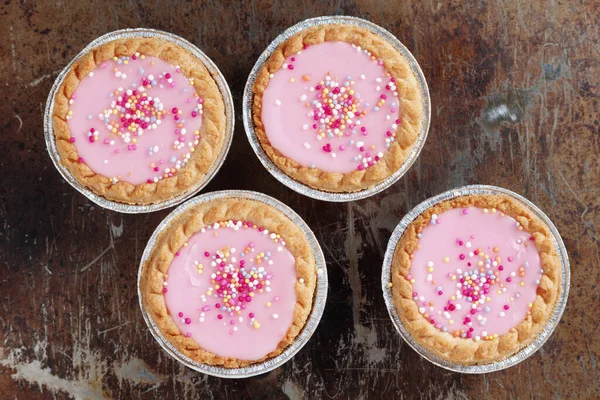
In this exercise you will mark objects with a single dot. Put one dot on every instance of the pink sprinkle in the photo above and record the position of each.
(508, 279)
(72, 140)
(206, 254)
(220, 316)
(506, 307)
(501, 268)
(251, 315)
(188, 321)
(290, 66)
(510, 259)
(462, 256)
(80, 159)
(465, 211)
(180, 314)
(174, 110)
(188, 334)
(177, 254)
(165, 290)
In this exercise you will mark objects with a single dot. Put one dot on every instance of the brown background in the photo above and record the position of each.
(69, 318)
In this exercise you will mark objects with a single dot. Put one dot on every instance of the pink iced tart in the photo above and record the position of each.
(234, 292)
(337, 108)
(475, 278)
(132, 120)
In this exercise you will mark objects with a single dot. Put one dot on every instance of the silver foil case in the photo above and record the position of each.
(524, 352)
(139, 208)
(319, 299)
(299, 187)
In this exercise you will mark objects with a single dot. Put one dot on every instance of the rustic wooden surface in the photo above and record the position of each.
(514, 91)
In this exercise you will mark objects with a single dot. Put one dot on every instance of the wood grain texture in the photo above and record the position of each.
(514, 89)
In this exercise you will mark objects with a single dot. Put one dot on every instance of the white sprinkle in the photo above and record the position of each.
(306, 145)
(363, 76)
(301, 280)
(275, 316)
(277, 102)
(303, 97)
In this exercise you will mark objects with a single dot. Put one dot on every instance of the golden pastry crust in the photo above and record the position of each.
(467, 351)
(192, 221)
(410, 109)
(212, 131)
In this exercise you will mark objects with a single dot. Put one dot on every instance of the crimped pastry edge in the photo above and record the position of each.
(466, 351)
(212, 131)
(410, 97)
(182, 227)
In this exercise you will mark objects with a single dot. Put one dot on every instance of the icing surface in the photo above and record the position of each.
(260, 274)
(332, 106)
(135, 119)
(476, 272)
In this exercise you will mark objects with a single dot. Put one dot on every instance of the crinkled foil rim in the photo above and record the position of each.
(305, 189)
(314, 317)
(141, 208)
(523, 353)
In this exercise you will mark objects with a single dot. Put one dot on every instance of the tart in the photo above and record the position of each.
(475, 278)
(138, 120)
(230, 282)
(337, 107)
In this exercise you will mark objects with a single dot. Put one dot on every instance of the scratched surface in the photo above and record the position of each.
(514, 89)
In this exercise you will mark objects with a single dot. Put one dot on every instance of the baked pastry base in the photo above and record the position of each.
(409, 96)
(212, 131)
(193, 220)
(467, 351)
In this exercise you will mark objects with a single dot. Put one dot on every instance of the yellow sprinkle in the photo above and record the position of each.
(389, 284)
(268, 304)
(447, 259)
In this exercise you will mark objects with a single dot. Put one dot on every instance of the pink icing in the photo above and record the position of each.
(145, 147)
(300, 125)
(249, 330)
(460, 237)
